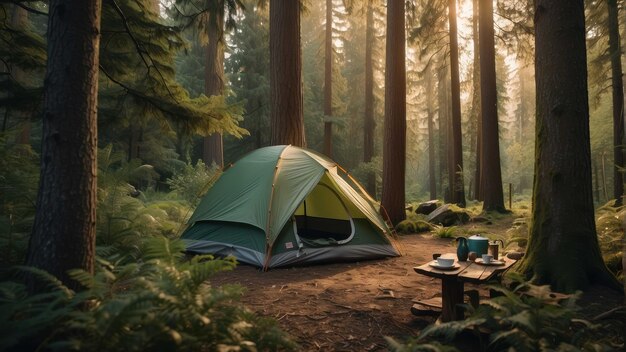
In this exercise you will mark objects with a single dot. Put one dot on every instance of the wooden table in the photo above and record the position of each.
(452, 281)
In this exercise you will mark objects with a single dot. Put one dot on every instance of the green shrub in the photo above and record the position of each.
(444, 232)
(193, 181)
(405, 227)
(159, 303)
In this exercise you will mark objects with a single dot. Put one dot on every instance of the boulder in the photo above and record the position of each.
(448, 215)
(427, 207)
(481, 219)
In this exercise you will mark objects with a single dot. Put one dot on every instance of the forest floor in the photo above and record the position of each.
(348, 306)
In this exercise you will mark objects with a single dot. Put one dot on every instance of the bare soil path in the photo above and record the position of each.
(353, 306)
(345, 306)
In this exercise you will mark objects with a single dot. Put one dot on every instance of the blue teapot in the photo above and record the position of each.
(478, 244)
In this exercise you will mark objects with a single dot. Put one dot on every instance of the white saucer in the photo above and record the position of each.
(435, 265)
(493, 262)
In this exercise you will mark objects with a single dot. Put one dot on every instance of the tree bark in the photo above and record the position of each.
(394, 149)
(19, 20)
(328, 80)
(63, 235)
(443, 132)
(563, 249)
(368, 123)
(212, 146)
(476, 111)
(286, 74)
(457, 189)
(618, 102)
(491, 177)
(432, 180)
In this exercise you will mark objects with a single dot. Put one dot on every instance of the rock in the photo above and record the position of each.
(479, 219)
(515, 255)
(448, 215)
(427, 207)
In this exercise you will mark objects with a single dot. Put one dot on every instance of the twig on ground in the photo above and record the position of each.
(610, 313)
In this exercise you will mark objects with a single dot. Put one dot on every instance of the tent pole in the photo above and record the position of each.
(306, 225)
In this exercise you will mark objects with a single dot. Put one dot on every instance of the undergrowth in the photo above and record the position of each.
(525, 317)
(145, 295)
(159, 303)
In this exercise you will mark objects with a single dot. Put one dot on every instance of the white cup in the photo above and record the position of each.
(445, 262)
(487, 258)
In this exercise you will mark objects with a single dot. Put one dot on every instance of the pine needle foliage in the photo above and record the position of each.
(159, 303)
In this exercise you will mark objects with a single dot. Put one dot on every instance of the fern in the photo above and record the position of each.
(158, 303)
(525, 318)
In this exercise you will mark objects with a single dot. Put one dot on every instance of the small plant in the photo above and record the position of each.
(193, 181)
(441, 231)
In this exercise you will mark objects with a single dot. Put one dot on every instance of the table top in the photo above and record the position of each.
(467, 271)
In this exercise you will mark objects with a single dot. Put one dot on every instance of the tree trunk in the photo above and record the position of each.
(212, 146)
(63, 235)
(443, 132)
(286, 74)
(476, 111)
(394, 149)
(491, 177)
(432, 181)
(457, 189)
(563, 249)
(368, 123)
(328, 80)
(618, 102)
(19, 20)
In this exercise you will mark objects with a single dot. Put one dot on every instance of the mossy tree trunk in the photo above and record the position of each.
(476, 112)
(64, 230)
(394, 149)
(563, 249)
(457, 188)
(287, 124)
(491, 174)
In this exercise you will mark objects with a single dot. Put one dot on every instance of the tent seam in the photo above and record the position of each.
(268, 250)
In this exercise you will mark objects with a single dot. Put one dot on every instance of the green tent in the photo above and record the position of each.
(284, 205)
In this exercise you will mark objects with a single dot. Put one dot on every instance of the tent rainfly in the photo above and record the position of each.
(284, 205)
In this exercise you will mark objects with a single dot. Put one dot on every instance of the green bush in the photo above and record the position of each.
(441, 231)
(160, 303)
(193, 181)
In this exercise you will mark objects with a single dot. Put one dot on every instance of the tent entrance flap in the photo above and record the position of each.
(323, 219)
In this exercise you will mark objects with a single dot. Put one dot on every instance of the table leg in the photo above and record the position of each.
(451, 295)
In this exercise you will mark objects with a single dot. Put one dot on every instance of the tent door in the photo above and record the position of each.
(315, 230)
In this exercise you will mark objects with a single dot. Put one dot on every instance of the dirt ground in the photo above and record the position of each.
(347, 306)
